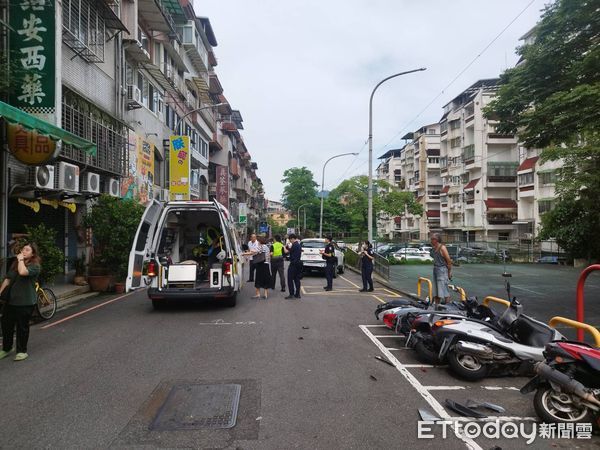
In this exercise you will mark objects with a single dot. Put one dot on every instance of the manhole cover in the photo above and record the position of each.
(198, 406)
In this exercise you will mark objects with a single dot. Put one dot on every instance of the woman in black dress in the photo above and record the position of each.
(262, 263)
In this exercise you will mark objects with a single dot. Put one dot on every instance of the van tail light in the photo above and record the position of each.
(227, 267)
(152, 269)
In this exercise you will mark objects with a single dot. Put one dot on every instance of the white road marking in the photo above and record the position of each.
(392, 349)
(421, 366)
(444, 388)
(375, 326)
(430, 399)
(390, 336)
(529, 290)
(395, 294)
(494, 418)
(499, 388)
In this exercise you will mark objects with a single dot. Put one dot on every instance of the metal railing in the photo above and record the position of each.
(381, 265)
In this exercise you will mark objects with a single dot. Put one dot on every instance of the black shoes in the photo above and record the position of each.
(249, 281)
(283, 290)
(362, 290)
(370, 290)
(328, 289)
(297, 296)
(289, 297)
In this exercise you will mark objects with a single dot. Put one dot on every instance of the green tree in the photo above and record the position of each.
(551, 100)
(53, 260)
(300, 189)
(351, 195)
(114, 222)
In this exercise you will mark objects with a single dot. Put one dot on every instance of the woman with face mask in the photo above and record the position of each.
(20, 279)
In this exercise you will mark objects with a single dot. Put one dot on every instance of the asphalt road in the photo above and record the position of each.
(100, 373)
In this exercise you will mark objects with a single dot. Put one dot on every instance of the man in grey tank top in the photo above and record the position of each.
(442, 269)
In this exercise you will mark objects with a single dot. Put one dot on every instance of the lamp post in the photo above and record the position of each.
(298, 216)
(195, 110)
(323, 189)
(370, 189)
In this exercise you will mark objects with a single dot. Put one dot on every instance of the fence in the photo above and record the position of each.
(381, 265)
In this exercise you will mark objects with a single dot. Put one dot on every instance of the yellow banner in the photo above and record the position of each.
(179, 168)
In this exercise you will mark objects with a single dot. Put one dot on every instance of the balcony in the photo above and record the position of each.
(156, 15)
(502, 179)
(469, 154)
(194, 46)
(214, 144)
(501, 220)
(497, 138)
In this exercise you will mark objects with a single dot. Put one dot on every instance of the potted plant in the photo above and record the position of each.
(79, 265)
(114, 222)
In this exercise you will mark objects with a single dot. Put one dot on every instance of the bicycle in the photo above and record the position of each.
(46, 304)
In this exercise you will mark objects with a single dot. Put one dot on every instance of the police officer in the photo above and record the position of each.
(328, 255)
(295, 268)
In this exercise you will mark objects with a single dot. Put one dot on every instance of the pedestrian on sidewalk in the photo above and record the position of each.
(295, 268)
(367, 256)
(20, 279)
(442, 269)
(262, 264)
(328, 254)
(253, 246)
(277, 263)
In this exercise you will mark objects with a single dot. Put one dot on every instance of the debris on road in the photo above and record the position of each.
(300, 338)
(491, 406)
(427, 416)
(373, 378)
(463, 410)
(305, 328)
(389, 363)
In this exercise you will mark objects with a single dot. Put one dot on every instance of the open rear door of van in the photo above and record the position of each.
(227, 226)
(140, 251)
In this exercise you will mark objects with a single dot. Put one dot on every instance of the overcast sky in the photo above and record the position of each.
(301, 72)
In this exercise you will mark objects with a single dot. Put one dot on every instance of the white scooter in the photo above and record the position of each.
(476, 349)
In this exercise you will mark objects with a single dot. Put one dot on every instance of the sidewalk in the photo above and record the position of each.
(68, 294)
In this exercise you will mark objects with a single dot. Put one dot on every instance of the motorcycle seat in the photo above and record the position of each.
(594, 363)
(529, 332)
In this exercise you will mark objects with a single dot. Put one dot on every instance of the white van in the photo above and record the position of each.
(186, 250)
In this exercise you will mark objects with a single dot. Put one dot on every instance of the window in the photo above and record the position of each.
(84, 29)
(503, 235)
(431, 131)
(143, 38)
(502, 169)
(433, 160)
(525, 178)
(545, 205)
(547, 177)
(455, 142)
(454, 124)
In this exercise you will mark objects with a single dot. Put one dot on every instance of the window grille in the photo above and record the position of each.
(84, 29)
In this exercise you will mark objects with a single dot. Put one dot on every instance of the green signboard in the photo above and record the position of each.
(32, 50)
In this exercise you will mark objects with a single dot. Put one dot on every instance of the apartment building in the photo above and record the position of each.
(478, 168)
(414, 168)
(127, 78)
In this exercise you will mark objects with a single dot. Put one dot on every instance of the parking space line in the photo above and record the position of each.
(422, 366)
(353, 284)
(390, 336)
(376, 326)
(494, 418)
(427, 396)
(444, 388)
(378, 299)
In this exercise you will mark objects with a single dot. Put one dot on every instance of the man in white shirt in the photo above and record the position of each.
(254, 247)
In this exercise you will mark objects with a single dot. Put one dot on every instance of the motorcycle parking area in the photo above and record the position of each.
(436, 384)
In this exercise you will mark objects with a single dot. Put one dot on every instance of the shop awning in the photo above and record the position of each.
(528, 164)
(15, 115)
(471, 185)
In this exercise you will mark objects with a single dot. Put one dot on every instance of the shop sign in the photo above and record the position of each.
(179, 168)
(223, 185)
(30, 147)
(32, 44)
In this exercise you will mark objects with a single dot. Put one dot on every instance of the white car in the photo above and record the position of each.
(412, 254)
(311, 255)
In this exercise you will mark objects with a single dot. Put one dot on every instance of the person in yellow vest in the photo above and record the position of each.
(277, 263)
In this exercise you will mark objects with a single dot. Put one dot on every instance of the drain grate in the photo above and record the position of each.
(198, 406)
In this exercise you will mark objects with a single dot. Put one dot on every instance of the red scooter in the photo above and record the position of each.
(567, 384)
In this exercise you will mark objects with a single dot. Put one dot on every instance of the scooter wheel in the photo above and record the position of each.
(558, 407)
(467, 366)
(426, 353)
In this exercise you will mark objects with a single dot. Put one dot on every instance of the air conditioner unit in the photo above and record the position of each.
(43, 177)
(169, 73)
(163, 195)
(68, 177)
(134, 95)
(113, 187)
(90, 183)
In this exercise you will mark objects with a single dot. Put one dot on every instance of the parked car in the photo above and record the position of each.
(412, 254)
(549, 260)
(311, 255)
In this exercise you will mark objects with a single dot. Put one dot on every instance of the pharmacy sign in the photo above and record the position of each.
(32, 52)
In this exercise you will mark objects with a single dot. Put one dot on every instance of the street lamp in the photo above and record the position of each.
(323, 189)
(298, 216)
(370, 189)
(195, 110)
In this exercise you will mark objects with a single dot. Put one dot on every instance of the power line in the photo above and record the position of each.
(460, 73)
